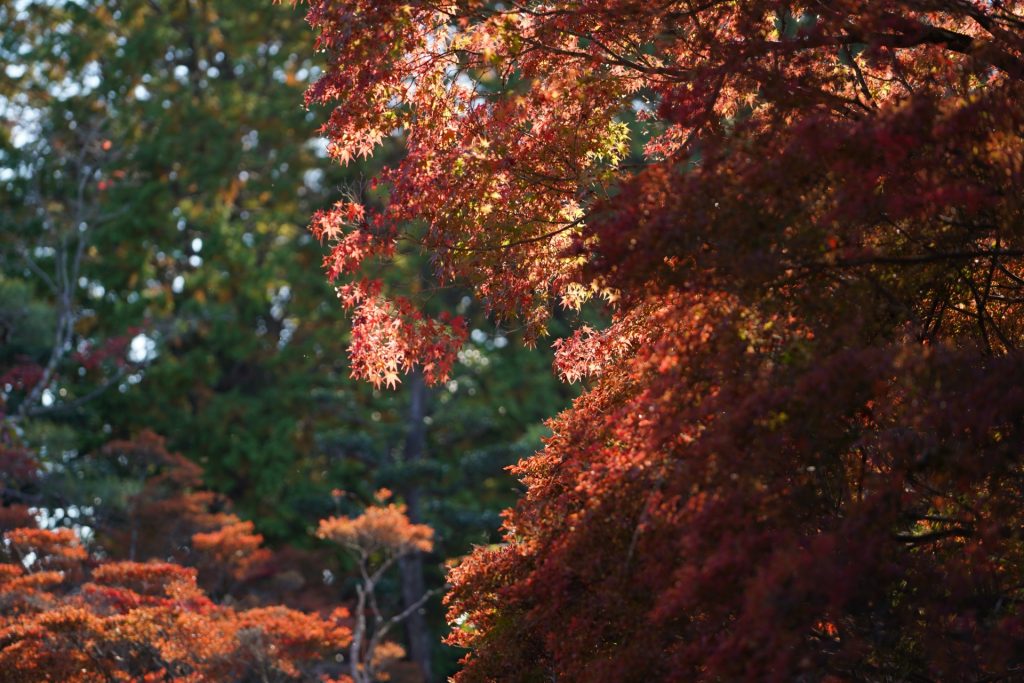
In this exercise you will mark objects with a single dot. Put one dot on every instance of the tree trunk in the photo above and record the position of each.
(411, 566)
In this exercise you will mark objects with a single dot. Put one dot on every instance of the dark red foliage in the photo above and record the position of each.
(799, 456)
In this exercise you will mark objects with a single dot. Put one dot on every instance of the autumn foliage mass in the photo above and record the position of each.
(798, 456)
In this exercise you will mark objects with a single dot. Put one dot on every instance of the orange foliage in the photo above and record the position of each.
(56, 549)
(379, 528)
(172, 505)
(234, 546)
(129, 621)
(377, 538)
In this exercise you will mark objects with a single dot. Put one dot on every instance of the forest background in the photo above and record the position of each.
(160, 291)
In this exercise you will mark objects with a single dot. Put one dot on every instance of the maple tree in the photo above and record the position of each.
(798, 457)
(171, 516)
(377, 538)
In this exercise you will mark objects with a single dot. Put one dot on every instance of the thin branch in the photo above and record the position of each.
(528, 240)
